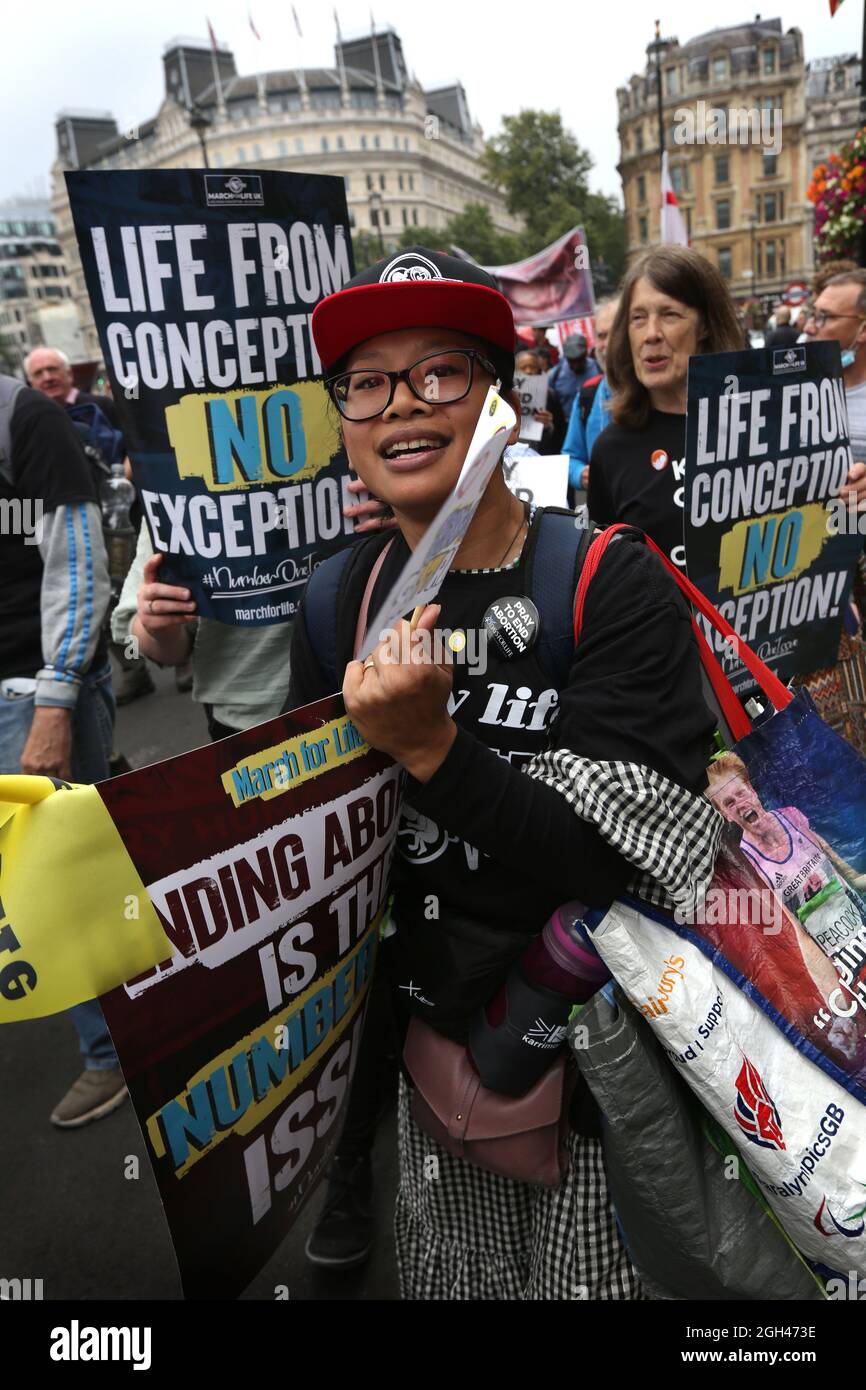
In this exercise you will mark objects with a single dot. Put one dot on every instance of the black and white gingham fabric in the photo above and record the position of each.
(670, 835)
(464, 1233)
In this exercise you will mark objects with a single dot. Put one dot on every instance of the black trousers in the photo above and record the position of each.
(374, 1084)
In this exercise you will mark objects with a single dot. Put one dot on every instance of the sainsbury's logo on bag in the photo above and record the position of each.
(755, 1111)
(674, 970)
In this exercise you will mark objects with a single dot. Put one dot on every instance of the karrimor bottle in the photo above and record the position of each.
(515, 1038)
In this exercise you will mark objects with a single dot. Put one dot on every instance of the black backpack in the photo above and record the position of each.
(555, 566)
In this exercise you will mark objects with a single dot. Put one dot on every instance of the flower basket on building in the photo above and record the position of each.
(838, 190)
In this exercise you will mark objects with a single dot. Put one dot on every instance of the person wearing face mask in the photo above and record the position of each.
(410, 348)
(839, 315)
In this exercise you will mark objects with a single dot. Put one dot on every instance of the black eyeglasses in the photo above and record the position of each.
(442, 377)
(820, 317)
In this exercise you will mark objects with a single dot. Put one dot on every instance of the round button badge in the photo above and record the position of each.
(659, 459)
(512, 625)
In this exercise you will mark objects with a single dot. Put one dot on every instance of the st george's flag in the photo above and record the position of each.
(673, 224)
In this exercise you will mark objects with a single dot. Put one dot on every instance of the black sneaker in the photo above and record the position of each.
(343, 1234)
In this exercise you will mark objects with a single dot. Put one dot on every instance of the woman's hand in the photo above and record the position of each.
(398, 698)
(161, 606)
(165, 613)
(853, 490)
(372, 515)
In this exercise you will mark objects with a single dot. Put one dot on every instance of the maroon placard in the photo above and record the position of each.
(269, 876)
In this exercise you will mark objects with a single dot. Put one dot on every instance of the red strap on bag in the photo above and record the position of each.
(767, 682)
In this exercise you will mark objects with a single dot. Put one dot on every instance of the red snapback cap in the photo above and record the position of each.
(415, 288)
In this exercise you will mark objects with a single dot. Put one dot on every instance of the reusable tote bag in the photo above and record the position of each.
(758, 992)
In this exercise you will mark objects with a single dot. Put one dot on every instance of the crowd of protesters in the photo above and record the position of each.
(472, 1233)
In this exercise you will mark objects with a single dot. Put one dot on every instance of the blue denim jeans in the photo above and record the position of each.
(92, 731)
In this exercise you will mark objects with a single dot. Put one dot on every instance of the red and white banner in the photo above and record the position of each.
(673, 224)
(586, 326)
(552, 285)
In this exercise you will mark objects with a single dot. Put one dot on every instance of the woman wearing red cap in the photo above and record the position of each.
(485, 853)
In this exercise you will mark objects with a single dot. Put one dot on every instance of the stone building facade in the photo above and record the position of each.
(734, 113)
(409, 157)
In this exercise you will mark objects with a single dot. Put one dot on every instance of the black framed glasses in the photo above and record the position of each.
(820, 317)
(440, 378)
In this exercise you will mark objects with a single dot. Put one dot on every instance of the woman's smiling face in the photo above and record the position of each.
(416, 479)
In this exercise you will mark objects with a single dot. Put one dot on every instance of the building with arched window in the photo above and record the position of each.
(409, 157)
(734, 119)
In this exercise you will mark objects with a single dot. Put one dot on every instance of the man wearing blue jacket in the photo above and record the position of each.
(589, 414)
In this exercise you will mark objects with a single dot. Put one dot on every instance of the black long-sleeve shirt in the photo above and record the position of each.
(491, 847)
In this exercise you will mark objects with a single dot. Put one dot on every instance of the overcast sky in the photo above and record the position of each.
(109, 57)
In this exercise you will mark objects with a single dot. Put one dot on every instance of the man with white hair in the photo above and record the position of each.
(48, 370)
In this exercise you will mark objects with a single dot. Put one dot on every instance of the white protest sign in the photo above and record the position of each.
(431, 559)
(539, 479)
(532, 391)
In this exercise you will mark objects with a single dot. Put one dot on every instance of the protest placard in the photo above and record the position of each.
(555, 283)
(539, 479)
(202, 286)
(266, 857)
(767, 449)
(532, 391)
(431, 559)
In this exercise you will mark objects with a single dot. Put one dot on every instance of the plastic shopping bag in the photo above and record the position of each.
(75, 917)
(759, 995)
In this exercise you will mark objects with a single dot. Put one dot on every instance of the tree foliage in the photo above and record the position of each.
(544, 175)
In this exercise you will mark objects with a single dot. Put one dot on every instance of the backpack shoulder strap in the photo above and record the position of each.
(10, 389)
(557, 561)
(322, 598)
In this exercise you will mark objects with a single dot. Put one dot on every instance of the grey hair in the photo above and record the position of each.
(605, 303)
(851, 277)
(29, 358)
